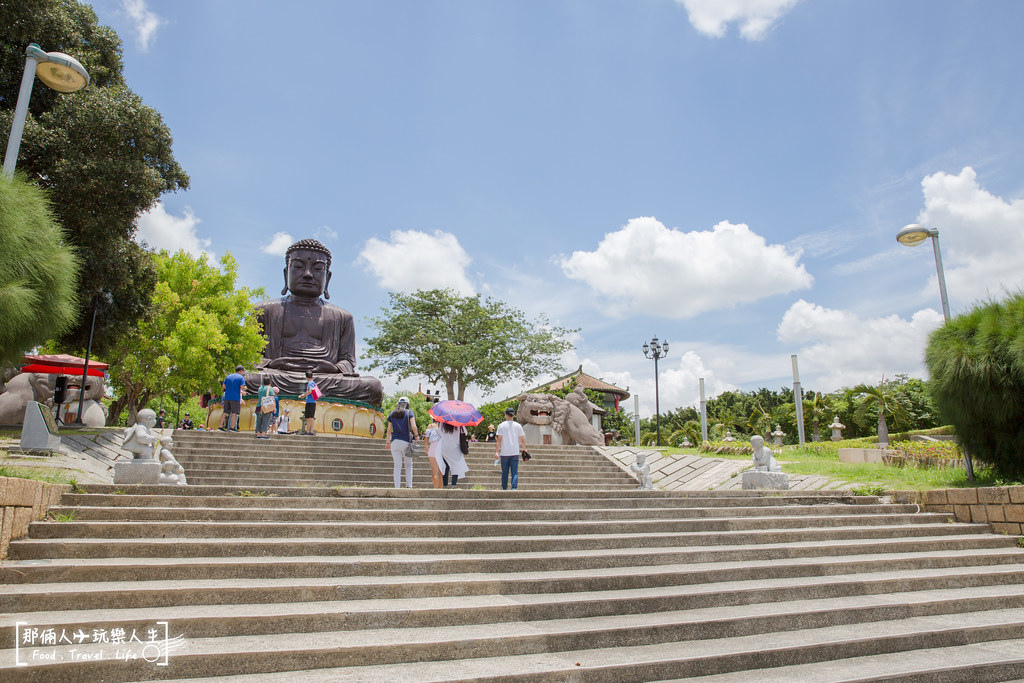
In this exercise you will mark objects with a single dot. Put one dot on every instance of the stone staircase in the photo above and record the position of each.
(239, 459)
(362, 584)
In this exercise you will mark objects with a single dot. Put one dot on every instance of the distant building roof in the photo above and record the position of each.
(584, 381)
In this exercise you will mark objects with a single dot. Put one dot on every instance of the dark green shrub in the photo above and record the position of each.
(976, 363)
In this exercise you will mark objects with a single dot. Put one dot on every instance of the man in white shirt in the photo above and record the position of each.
(511, 440)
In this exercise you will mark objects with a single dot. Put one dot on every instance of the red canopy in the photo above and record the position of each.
(62, 364)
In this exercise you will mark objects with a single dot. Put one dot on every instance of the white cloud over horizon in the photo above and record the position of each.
(144, 21)
(840, 349)
(981, 237)
(755, 17)
(161, 230)
(666, 272)
(410, 259)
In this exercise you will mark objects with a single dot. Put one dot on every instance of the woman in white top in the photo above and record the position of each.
(433, 436)
(451, 453)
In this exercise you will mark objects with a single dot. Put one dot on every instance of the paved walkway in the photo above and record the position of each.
(701, 473)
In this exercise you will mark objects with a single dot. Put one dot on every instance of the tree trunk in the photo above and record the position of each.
(883, 430)
(817, 436)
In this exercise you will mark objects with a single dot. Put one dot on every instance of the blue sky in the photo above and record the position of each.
(726, 174)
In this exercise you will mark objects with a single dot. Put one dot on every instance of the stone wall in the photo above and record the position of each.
(21, 502)
(1000, 506)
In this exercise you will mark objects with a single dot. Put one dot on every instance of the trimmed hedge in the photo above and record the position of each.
(976, 362)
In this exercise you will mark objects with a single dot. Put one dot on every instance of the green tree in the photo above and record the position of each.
(103, 155)
(200, 326)
(37, 270)
(458, 341)
(976, 362)
(881, 403)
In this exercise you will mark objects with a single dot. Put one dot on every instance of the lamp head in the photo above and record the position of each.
(913, 234)
(61, 72)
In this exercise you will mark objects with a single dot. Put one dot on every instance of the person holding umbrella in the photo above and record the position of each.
(454, 416)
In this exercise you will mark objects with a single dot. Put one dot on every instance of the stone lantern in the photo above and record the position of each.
(777, 435)
(837, 428)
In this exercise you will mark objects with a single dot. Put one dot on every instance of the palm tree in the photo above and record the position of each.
(817, 408)
(883, 401)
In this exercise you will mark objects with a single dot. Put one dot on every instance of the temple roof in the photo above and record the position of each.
(585, 381)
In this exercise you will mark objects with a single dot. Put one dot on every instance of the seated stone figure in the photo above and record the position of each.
(764, 458)
(304, 332)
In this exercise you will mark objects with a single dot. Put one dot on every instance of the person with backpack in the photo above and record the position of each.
(398, 438)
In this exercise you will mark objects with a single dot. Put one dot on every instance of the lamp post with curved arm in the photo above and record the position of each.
(656, 350)
(911, 236)
(61, 72)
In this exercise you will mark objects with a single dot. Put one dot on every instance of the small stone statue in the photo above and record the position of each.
(729, 437)
(643, 472)
(764, 458)
(171, 471)
(140, 440)
(145, 445)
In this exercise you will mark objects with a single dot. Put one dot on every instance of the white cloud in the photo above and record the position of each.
(278, 244)
(648, 267)
(160, 230)
(145, 21)
(981, 236)
(755, 17)
(838, 348)
(411, 260)
(325, 233)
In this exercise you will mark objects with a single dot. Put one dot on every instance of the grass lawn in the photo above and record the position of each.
(800, 461)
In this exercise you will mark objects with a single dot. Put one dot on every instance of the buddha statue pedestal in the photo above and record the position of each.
(334, 416)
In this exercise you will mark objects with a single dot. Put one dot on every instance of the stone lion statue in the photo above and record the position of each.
(564, 417)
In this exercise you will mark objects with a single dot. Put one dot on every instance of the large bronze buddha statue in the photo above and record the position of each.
(304, 332)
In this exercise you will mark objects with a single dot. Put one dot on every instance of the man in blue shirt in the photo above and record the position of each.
(232, 400)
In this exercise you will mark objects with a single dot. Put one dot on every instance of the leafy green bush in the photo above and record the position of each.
(976, 362)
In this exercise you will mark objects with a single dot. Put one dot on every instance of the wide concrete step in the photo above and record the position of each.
(667, 587)
(174, 546)
(620, 648)
(305, 617)
(468, 499)
(199, 527)
(381, 482)
(284, 513)
(984, 662)
(837, 557)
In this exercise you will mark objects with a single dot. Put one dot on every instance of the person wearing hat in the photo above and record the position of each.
(511, 441)
(491, 436)
(186, 423)
(161, 419)
(401, 431)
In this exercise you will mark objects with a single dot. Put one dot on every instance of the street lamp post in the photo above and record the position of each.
(911, 236)
(107, 298)
(656, 350)
(61, 72)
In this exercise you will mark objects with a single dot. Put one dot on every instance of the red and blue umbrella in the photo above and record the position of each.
(458, 413)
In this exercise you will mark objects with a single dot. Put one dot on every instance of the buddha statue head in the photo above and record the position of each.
(307, 269)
